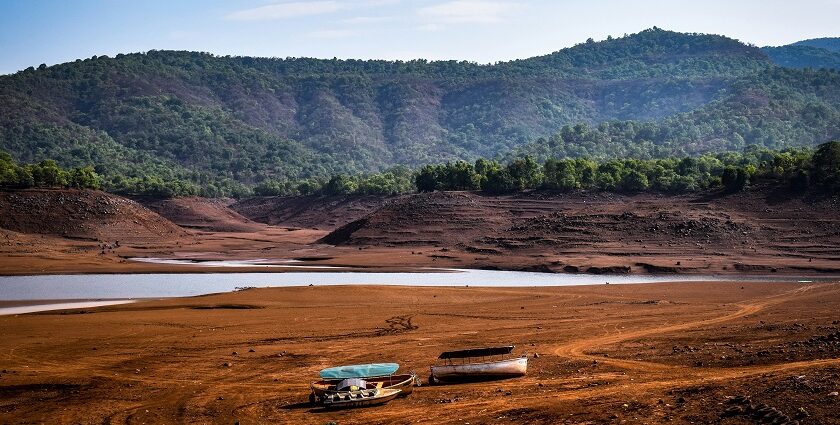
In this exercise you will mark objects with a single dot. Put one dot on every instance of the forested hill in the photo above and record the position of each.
(228, 123)
(814, 53)
(828, 43)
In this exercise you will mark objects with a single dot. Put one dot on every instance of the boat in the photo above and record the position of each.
(354, 392)
(359, 371)
(479, 364)
(404, 382)
(373, 376)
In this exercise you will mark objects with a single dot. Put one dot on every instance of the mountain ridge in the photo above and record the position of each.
(228, 123)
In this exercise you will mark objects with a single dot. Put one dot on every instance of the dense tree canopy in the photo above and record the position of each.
(194, 123)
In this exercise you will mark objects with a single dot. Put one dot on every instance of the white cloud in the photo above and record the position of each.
(330, 34)
(364, 20)
(285, 10)
(374, 3)
(430, 27)
(468, 11)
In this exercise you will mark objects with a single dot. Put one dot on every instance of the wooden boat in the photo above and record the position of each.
(404, 382)
(359, 398)
(479, 364)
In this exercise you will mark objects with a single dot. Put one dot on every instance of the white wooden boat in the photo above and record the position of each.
(479, 364)
(359, 398)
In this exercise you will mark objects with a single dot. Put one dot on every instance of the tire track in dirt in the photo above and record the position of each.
(577, 349)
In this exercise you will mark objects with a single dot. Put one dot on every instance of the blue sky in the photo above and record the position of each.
(40, 31)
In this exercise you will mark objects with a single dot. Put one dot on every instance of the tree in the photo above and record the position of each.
(634, 181)
(427, 179)
(825, 166)
(84, 178)
(734, 179)
(339, 184)
(459, 175)
(561, 175)
(499, 181)
(48, 173)
(525, 173)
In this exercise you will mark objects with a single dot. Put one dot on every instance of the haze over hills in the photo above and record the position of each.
(227, 123)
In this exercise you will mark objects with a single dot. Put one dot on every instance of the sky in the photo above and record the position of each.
(55, 31)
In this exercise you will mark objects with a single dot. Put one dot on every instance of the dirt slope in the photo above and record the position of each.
(213, 215)
(83, 214)
(319, 212)
(751, 231)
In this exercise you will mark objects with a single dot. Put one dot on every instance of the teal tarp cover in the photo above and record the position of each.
(359, 371)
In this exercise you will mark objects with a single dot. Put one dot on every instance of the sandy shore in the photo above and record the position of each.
(642, 353)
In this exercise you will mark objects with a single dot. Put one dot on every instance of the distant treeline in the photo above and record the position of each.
(46, 173)
(798, 168)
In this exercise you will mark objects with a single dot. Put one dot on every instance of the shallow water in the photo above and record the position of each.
(161, 285)
(59, 306)
(260, 262)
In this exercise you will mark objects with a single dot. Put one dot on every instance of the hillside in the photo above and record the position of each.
(803, 56)
(226, 124)
(83, 215)
(828, 43)
(756, 231)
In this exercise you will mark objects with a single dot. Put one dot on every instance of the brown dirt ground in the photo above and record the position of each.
(655, 353)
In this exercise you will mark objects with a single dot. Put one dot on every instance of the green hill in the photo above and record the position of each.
(828, 43)
(229, 123)
(795, 56)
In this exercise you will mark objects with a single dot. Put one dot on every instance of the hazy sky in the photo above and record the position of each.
(40, 31)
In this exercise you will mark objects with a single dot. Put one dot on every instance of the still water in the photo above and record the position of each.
(161, 285)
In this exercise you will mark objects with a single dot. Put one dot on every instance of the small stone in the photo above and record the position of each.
(833, 394)
(251, 350)
(536, 355)
(234, 353)
(227, 364)
(220, 398)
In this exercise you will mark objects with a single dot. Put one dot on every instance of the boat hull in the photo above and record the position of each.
(349, 399)
(405, 383)
(499, 369)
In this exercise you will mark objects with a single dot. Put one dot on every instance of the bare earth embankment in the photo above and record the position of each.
(755, 232)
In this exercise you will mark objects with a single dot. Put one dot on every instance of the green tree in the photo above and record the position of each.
(340, 184)
(734, 179)
(825, 166)
(427, 178)
(525, 173)
(634, 181)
